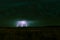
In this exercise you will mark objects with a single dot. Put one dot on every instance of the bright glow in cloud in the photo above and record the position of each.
(22, 23)
(26, 23)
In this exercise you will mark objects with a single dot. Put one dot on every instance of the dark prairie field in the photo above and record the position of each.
(29, 34)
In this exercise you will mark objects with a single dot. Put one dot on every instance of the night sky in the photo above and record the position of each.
(47, 12)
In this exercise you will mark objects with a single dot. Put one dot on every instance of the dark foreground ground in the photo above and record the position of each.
(46, 33)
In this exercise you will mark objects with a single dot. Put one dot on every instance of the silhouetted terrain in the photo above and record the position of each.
(45, 33)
